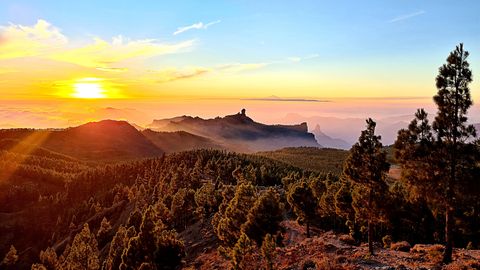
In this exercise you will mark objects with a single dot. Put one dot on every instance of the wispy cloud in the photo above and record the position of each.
(174, 74)
(297, 59)
(239, 67)
(199, 25)
(407, 16)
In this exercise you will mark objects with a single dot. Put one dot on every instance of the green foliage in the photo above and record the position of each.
(207, 199)
(240, 253)
(264, 217)
(170, 251)
(118, 244)
(227, 224)
(10, 258)
(268, 251)
(103, 233)
(49, 259)
(366, 167)
(439, 162)
(83, 253)
(322, 160)
(301, 199)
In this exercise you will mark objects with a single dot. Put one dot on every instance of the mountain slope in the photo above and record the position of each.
(104, 140)
(239, 132)
(327, 141)
(179, 141)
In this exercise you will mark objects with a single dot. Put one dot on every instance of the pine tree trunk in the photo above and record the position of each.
(370, 238)
(447, 256)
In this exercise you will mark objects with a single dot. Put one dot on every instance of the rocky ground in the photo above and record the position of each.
(325, 250)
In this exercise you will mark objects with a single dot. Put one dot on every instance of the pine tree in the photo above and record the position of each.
(49, 259)
(170, 251)
(443, 148)
(140, 248)
(104, 232)
(83, 253)
(301, 199)
(227, 224)
(453, 101)
(118, 244)
(10, 258)
(268, 251)
(264, 217)
(367, 166)
(240, 252)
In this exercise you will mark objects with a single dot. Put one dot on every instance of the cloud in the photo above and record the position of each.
(297, 59)
(112, 69)
(174, 74)
(239, 67)
(275, 98)
(199, 25)
(101, 53)
(47, 41)
(407, 16)
(21, 41)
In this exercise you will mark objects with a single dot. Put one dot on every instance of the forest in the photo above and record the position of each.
(216, 209)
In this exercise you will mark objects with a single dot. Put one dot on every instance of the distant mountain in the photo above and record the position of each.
(179, 141)
(348, 129)
(239, 132)
(327, 141)
(104, 140)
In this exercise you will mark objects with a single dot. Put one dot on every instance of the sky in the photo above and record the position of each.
(66, 62)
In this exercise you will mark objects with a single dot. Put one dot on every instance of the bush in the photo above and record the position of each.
(401, 246)
(387, 241)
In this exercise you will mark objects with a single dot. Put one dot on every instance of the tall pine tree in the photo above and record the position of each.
(443, 148)
(366, 166)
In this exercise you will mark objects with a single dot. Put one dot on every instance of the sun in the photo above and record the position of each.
(89, 88)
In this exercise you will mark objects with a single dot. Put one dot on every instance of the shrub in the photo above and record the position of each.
(387, 241)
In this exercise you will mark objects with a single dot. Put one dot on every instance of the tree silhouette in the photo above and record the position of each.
(443, 148)
(367, 166)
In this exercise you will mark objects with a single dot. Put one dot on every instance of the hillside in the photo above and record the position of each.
(104, 140)
(310, 158)
(177, 141)
(239, 132)
(57, 206)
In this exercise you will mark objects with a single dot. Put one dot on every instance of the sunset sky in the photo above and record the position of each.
(60, 59)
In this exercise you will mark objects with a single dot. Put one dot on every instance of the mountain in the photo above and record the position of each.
(327, 141)
(179, 141)
(348, 129)
(239, 132)
(104, 140)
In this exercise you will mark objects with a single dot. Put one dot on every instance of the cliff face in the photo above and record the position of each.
(239, 132)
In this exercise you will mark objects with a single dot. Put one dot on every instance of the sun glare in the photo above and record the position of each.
(89, 88)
